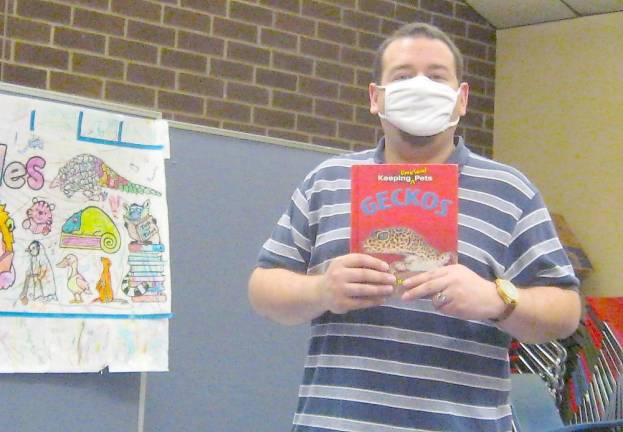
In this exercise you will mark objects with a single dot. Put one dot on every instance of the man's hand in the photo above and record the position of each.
(543, 313)
(464, 294)
(355, 281)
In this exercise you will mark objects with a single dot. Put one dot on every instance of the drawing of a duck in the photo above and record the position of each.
(76, 283)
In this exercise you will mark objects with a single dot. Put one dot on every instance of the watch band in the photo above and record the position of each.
(509, 310)
(509, 301)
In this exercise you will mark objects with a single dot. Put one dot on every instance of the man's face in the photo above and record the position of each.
(411, 56)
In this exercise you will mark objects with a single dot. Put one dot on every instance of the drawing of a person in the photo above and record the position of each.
(39, 283)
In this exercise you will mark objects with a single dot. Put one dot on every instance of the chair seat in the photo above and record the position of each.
(533, 406)
(534, 409)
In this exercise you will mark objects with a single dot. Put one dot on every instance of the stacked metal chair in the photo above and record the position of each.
(547, 360)
(594, 386)
(583, 373)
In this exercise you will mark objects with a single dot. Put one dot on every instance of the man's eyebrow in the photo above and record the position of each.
(400, 67)
(436, 66)
(406, 66)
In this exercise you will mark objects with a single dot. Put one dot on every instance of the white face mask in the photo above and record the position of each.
(419, 106)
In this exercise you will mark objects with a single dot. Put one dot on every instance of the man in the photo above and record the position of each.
(435, 358)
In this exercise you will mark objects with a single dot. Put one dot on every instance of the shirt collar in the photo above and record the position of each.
(459, 156)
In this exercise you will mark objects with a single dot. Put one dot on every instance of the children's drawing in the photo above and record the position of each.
(141, 225)
(115, 202)
(39, 284)
(145, 282)
(34, 143)
(104, 284)
(7, 271)
(153, 174)
(90, 228)
(76, 283)
(39, 217)
(89, 174)
(69, 177)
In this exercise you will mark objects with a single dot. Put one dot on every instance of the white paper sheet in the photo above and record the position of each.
(84, 241)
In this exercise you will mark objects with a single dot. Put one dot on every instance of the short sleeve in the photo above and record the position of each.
(289, 245)
(535, 255)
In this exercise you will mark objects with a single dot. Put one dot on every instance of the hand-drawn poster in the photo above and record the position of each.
(84, 249)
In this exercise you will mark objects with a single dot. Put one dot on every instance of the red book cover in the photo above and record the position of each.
(609, 309)
(405, 214)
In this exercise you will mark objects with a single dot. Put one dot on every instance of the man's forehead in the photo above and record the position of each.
(435, 50)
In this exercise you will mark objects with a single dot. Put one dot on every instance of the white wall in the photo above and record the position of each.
(559, 118)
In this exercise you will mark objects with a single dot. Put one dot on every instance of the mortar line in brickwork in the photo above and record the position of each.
(5, 41)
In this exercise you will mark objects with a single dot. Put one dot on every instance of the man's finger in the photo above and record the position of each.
(366, 302)
(368, 290)
(365, 275)
(426, 289)
(365, 261)
(424, 277)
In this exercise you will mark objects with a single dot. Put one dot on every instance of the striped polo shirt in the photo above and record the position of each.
(404, 366)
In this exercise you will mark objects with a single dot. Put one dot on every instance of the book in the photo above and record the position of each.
(151, 278)
(608, 309)
(405, 214)
(146, 298)
(147, 268)
(139, 247)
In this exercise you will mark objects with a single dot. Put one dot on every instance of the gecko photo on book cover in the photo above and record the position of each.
(406, 215)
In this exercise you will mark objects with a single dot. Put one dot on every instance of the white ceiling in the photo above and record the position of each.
(514, 13)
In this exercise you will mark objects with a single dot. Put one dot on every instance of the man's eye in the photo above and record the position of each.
(402, 77)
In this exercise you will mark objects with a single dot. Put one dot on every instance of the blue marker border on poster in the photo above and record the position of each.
(118, 142)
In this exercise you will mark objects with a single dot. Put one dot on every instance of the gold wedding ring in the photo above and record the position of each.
(439, 300)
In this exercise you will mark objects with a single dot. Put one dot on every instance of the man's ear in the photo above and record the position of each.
(463, 97)
(373, 91)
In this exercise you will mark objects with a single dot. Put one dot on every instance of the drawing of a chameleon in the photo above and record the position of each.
(90, 175)
(90, 228)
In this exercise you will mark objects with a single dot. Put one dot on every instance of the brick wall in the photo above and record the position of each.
(293, 69)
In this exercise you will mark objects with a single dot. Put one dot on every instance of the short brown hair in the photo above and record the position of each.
(414, 30)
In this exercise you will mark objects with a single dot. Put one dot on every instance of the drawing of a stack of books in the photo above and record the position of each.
(145, 281)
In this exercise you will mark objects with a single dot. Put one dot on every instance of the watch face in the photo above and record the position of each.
(510, 290)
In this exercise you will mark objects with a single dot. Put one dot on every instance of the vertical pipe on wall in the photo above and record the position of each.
(142, 393)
